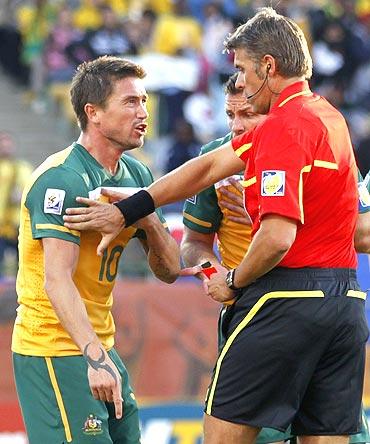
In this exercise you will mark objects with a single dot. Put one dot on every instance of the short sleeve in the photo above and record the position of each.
(242, 145)
(202, 213)
(50, 195)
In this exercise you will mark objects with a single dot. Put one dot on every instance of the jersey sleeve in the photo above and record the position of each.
(363, 193)
(201, 212)
(50, 195)
(280, 164)
(242, 145)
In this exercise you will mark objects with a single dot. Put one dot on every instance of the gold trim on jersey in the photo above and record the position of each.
(293, 96)
(195, 220)
(356, 294)
(242, 149)
(249, 182)
(57, 228)
(59, 399)
(250, 315)
(325, 164)
(306, 169)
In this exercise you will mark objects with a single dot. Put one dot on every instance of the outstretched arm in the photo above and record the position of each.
(187, 180)
(195, 175)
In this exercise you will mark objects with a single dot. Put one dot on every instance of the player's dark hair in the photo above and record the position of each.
(230, 85)
(271, 33)
(94, 82)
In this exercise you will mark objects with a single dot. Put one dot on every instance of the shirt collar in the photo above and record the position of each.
(297, 89)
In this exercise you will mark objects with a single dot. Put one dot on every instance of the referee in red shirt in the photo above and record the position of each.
(296, 334)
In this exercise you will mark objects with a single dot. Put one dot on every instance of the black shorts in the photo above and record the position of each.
(294, 354)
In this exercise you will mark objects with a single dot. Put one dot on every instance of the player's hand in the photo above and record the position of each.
(191, 271)
(233, 201)
(97, 216)
(104, 379)
(217, 288)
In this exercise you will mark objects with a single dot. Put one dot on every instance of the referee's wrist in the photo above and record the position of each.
(230, 279)
(136, 207)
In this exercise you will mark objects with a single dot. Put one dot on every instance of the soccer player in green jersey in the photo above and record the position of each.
(72, 385)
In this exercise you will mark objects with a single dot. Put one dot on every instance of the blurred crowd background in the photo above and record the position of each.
(179, 43)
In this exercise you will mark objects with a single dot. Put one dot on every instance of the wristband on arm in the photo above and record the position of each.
(136, 207)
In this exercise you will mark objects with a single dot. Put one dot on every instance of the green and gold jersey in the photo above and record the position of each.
(204, 213)
(52, 188)
(364, 193)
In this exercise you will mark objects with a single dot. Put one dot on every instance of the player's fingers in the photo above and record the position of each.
(118, 401)
(191, 271)
(205, 286)
(243, 220)
(89, 202)
(235, 198)
(236, 184)
(114, 196)
(104, 243)
(98, 393)
(235, 208)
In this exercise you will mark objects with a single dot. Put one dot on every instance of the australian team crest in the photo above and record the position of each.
(273, 183)
(92, 425)
(53, 201)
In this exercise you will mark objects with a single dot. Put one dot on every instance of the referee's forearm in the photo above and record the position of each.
(185, 181)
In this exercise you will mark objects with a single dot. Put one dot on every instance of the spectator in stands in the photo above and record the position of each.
(58, 65)
(140, 30)
(35, 21)
(177, 33)
(109, 39)
(185, 145)
(13, 175)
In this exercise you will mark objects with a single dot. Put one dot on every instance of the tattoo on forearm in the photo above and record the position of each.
(160, 268)
(96, 364)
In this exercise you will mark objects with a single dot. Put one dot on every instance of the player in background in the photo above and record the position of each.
(71, 383)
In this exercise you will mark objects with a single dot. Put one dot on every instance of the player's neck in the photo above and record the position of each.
(107, 155)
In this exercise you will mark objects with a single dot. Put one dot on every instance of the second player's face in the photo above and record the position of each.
(240, 116)
(123, 120)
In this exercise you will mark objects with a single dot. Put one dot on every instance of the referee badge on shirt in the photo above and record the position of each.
(273, 183)
(53, 201)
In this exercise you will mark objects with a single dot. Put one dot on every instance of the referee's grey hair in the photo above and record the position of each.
(271, 33)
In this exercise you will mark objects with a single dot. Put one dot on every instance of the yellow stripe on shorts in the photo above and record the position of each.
(59, 398)
(250, 315)
(356, 294)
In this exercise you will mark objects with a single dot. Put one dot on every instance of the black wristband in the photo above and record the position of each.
(136, 207)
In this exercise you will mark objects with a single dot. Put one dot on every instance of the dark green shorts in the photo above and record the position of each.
(58, 407)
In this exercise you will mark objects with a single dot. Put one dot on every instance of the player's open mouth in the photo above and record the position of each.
(141, 129)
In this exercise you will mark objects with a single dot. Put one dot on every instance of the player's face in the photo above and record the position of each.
(250, 82)
(240, 116)
(123, 120)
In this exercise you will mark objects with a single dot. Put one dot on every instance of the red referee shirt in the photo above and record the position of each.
(300, 165)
